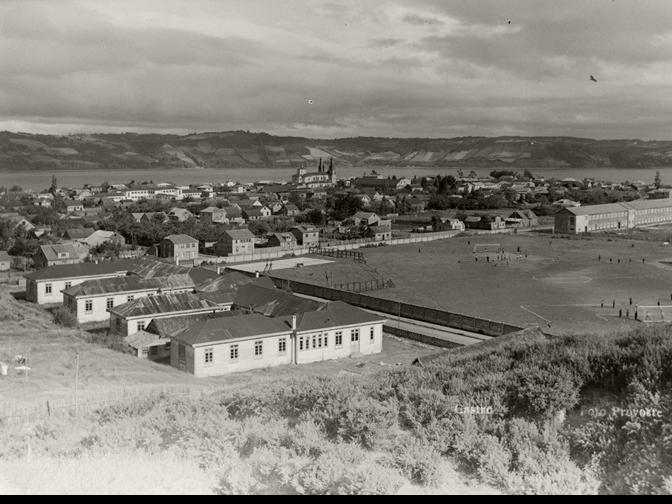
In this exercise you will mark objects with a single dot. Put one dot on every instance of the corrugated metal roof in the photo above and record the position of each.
(273, 302)
(335, 314)
(620, 207)
(597, 209)
(164, 304)
(223, 329)
(167, 327)
(147, 267)
(81, 270)
(124, 284)
(143, 339)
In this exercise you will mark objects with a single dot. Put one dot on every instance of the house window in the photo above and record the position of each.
(339, 339)
(301, 343)
(354, 335)
(48, 288)
(119, 325)
(258, 348)
(282, 345)
(68, 285)
(234, 352)
(129, 299)
(145, 352)
(110, 303)
(372, 333)
(141, 326)
(209, 356)
(314, 341)
(182, 355)
(319, 341)
(326, 341)
(88, 305)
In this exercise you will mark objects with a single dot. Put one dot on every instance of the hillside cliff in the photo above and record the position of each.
(246, 149)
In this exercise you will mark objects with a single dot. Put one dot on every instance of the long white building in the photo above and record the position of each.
(613, 216)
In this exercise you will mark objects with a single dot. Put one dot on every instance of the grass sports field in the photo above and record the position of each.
(551, 281)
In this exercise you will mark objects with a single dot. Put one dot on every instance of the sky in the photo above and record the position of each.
(339, 68)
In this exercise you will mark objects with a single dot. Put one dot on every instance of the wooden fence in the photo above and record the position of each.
(399, 309)
(17, 414)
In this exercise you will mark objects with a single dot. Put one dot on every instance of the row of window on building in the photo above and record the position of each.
(317, 340)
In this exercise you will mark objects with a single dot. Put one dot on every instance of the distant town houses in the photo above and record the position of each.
(235, 242)
(306, 236)
(57, 255)
(5, 261)
(181, 248)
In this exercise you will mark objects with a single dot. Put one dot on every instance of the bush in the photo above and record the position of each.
(418, 461)
(63, 316)
(366, 421)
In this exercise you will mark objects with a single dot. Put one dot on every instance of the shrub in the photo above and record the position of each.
(418, 461)
(65, 317)
(365, 420)
(371, 479)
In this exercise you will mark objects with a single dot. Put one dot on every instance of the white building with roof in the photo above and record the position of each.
(221, 346)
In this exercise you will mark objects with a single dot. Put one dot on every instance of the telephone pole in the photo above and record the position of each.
(77, 383)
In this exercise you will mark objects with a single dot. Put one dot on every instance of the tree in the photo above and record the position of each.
(528, 175)
(657, 180)
(54, 184)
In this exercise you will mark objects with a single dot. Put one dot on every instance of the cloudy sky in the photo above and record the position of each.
(331, 68)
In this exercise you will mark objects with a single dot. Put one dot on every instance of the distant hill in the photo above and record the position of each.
(246, 149)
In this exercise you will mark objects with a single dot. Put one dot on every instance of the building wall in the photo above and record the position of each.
(237, 247)
(331, 351)
(222, 363)
(4, 265)
(99, 304)
(36, 291)
(272, 356)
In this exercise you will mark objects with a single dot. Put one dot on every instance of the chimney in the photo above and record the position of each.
(293, 322)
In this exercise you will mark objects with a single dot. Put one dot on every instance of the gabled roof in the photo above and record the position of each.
(181, 239)
(596, 209)
(335, 314)
(163, 304)
(143, 339)
(168, 327)
(231, 328)
(285, 237)
(120, 285)
(231, 281)
(146, 267)
(239, 234)
(273, 302)
(79, 233)
(51, 252)
(81, 270)
(305, 229)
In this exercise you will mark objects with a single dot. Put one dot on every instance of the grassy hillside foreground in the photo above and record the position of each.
(562, 415)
